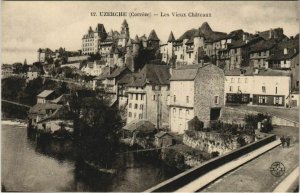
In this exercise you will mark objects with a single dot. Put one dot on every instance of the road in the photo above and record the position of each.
(255, 176)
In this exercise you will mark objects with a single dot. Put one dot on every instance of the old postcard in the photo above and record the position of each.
(140, 96)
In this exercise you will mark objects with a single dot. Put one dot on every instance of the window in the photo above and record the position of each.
(239, 88)
(216, 100)
(142, 97)
(278, 100)
(174, 112)
(263, 88)
(134, 115)
(174, 98)
(297, 83)
(187, 112)
(187, 99)
(140, 116)
(135, 106)
(230, 88)
(262, 99)
(130, 105)
(141, 107)
(129, 114)
(276, 90)
(190, 55)
(131, 96)
(154, 97)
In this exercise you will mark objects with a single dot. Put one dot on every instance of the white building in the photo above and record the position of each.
(93, 68)
(258, 87)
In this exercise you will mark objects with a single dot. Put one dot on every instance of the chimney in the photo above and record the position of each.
(270, 33)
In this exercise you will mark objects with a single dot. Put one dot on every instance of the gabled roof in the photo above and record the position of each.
(127, 78)
(62, 99)
(151, 74)
(171, 37)
(45, 93)
(140, 125)
(263, 45)
(187, 72)
(153, 36)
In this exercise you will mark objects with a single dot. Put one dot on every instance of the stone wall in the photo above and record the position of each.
(214, 142)
(209, 83)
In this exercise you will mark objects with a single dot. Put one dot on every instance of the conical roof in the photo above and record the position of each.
(129, 43)
(205, 28)
(136, 40)
(171, 37)
(125, 24)
(153, 36)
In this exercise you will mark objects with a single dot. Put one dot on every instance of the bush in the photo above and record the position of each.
(214, 154)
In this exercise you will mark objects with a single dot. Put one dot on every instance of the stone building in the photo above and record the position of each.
(260, 52)
(92, 39)
(147, 95)
(195, 90)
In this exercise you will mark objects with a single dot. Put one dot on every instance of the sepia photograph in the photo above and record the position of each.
(149, 96)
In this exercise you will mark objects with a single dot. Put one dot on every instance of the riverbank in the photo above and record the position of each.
(14, 122)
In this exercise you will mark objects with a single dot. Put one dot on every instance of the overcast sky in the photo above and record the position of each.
(27, 26)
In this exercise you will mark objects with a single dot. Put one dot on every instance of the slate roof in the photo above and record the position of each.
(40, 108)
(263, 45)
(292, 47)
(187, 72)
(105, 73)
(127, 78)
(153, 36)
(205, 31)
(117, 71)
(45, 93)
(62, 99)
(248, 71)
(171, 37)
(151, 74)
(140, 125)
(161, 134)
(136, 40)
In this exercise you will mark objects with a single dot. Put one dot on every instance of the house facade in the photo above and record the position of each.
(195, 90)
(258, 87)
(147, 95)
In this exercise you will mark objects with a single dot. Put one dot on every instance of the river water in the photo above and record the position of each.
(26, 169)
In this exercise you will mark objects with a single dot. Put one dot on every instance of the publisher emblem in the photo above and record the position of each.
(277, 169)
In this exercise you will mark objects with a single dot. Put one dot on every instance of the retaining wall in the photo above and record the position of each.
(186, 177)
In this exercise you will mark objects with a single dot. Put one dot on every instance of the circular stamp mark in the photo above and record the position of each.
(277, 169)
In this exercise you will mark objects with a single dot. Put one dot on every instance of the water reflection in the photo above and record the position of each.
(28, 167)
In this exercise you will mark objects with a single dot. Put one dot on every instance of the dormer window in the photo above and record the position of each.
(285, 51)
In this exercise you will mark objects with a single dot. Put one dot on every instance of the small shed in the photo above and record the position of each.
(163, 139)
(138, 128)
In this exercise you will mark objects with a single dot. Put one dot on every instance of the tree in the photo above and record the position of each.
(97, 130)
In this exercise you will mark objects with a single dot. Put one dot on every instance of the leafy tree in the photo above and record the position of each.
(33, 88)
(12, 87)
(96, 129)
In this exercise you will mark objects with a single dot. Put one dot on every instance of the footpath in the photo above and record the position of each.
(211, 176)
